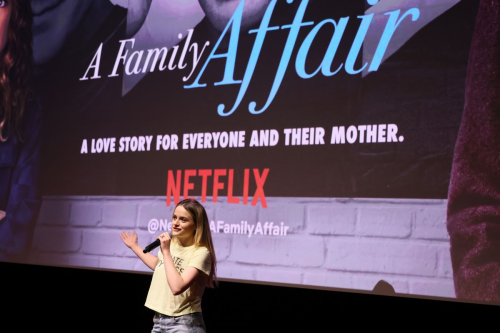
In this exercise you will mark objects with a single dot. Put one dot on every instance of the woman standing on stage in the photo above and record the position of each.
(20, 122)
(185, 265)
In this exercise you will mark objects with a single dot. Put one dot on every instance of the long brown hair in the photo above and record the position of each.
(16, 62)
(202, 237)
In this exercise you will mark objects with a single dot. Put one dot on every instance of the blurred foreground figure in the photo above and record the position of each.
(474, 195)
(20, 120)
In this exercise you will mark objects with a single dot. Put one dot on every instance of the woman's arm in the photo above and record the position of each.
(178, 283)
(131, 241)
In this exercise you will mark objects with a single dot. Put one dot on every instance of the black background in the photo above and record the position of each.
(55, 299)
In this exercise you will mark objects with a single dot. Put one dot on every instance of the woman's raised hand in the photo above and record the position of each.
(129, 238)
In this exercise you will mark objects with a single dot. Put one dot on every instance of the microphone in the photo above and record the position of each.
(154, 245)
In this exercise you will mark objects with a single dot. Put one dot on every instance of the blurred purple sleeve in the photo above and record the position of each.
(23, 204)
(474, 195)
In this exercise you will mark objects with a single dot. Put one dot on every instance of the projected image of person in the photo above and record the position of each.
(20, 120)
(219, 13)
(185, 265)
(67, 34)
(474, 195)
(56, 37)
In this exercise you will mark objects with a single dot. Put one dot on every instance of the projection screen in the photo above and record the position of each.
(319, 135)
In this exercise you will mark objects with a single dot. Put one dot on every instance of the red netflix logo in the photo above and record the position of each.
(221, 179)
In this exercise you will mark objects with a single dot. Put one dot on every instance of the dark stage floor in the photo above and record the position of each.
(53, 299)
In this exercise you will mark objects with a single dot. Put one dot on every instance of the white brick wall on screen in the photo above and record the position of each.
(337, 243)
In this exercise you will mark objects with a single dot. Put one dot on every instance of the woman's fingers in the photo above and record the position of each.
(126, 235)
(164, 238)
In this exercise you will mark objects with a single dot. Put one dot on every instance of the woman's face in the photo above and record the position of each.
(183, 225)
(219, 12)
(5, 9)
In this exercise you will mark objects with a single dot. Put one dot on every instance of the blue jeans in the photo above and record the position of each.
(190, 323)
